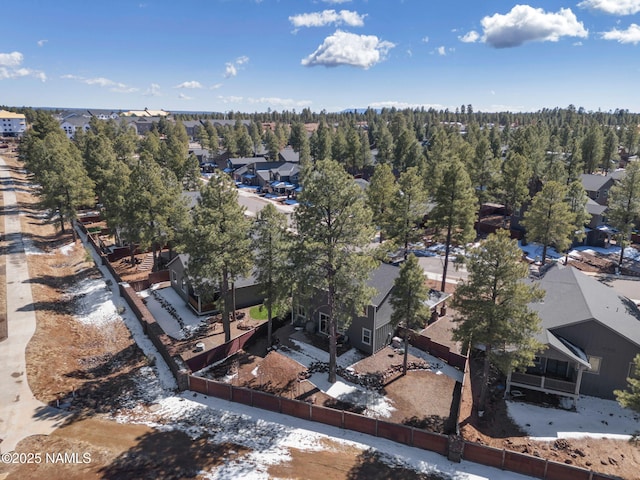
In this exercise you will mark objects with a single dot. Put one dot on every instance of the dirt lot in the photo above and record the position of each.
(278, 374)
(90, 368)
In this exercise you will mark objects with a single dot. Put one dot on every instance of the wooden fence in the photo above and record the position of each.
(425, 344)
(503, 459)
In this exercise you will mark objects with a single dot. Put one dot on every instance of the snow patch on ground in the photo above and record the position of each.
(594, 417)
(375, 404)
(93, 302)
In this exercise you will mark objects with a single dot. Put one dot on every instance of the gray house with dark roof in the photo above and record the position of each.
(592, 335)
(247, 289)
(371, 329)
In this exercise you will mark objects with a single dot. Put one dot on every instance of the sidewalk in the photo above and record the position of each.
(21, 414)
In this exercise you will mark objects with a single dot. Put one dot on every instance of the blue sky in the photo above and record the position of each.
(255, 55)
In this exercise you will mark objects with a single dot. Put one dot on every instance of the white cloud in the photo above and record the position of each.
(12, 59)
(425, 39)
(630, 35)
(191, 84)
(613, 7)
(470, 37)
(231, 68)
(215, 86)
(328, 17)
(104, 83)
(525, 24)
(10, 67)
(42, 42)
(343, 48)
(153, 90)
(441, 51)
(6, 73)
(182, 96)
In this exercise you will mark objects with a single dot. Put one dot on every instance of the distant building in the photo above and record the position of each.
(12, 124)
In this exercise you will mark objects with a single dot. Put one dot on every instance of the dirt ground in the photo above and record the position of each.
(278, 374)
(89, 368)
(620, 458)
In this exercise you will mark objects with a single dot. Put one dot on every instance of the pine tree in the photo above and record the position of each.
(218, 244)
(408, 300)
(624, 206)
(331, 251)
(408, 208)
(549, 220)
(380, 193)
(493, 307)
(516, 174)
(271, 247)
(455, 209)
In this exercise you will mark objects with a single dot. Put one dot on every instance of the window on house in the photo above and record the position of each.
(184, 285)
(301, 312)
(366, 336)
(605, 193)
(323, 323)
(174, 277)
(595, 364)
(557, 368)
(598, 194)
(538, 366)
(633, 371)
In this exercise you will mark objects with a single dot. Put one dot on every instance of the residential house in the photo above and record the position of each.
(247, 290)
(74, 123)
(598, 186)
(12, 124)
(591, 334)
(598, 232)
(371, 329)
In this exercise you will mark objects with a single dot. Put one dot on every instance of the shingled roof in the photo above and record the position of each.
(573, 298)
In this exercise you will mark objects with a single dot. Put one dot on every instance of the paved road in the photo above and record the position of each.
(21, 414)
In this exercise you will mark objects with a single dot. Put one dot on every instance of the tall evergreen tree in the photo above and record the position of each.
(549, 220)
(271, 247)
(516, 174)
(624, 206)
(218, 244)
(334, 231)
(455, 209)
(408, 208)
(380, 194)
(493, 307)
(408, 300)
(592, 148)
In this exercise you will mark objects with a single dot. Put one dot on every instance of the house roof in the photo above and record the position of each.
(382, 279)
(594, 208)
(241, 282)
(573, 298)
(563, 346)
(593, 183)
(289, 155)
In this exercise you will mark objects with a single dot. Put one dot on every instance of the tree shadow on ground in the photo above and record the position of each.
(495, 422)
(369, 466)
(170, 455)
(107, 383)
